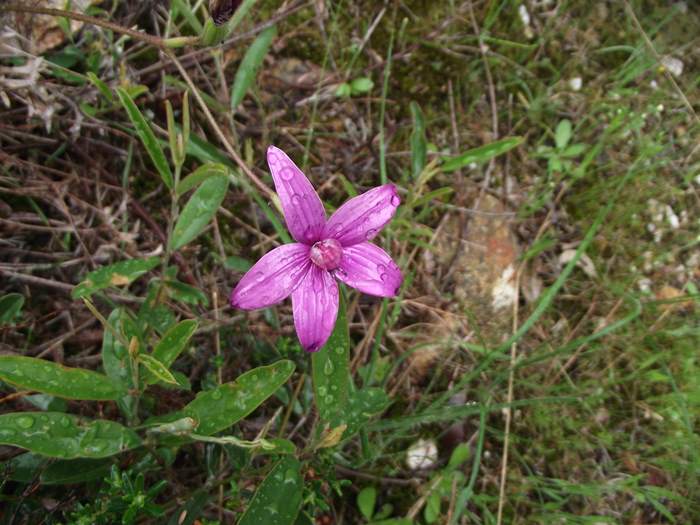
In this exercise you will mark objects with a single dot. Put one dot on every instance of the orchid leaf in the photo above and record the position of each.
(199, 210)
(65, 436)
(278, 498)
(174, 342)
(157, 369)
(117, 274)
(221, 407)
(482, 153)
(148, 138)
(252, 60)
(204, 172)
(51, 378)
(331, 369)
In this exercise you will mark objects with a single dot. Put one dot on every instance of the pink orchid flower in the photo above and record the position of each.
(326, 250)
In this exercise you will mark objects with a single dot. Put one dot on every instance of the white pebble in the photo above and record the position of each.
(422, 454)
(673, 65)
(576, 83)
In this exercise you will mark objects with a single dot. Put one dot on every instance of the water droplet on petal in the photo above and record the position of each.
(296, 199)
(369, 234)
(287, 173)
(381, 268)
(384, 277)
(25, 422)
(395, 200)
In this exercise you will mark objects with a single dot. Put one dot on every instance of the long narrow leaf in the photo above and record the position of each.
(199, 210)
(51, 378)
(148, 138)
(247, 71)
(482, 153)
(59, 435)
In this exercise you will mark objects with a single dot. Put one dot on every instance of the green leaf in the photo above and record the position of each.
(148, 138)
(331, 369)
(10, 306)
(360, 408)
(101, 87)
(174, 342)
(115, 357)
(65, 436)
(186, 294)
(154, 314)
(247, 71)
(343, 90)
(117, 274)
(482, 153)
(72, 471)
(199, 210)
(432, 508)
(459, 455)
(157, 368)
(419, 145)
(227, 404)
(361, 85)
(238, 264)
(562, 134)
(366, 500)
(51, 378)
(210, 169)
(278, 498)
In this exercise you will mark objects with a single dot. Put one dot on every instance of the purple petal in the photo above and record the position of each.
(315, 308)
(362, 217)
(303, 210)
(272, 278)
(370, 269)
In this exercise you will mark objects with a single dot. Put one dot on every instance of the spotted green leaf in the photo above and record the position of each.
(278, 498)
(361, 406)
(157, 369)
(65, 436)
(51, 378)
(331, 369)
(199, 210)
(148, 138)
(174, 342)
(115, 356)
(482, 153)
(117, 274)
(226, 404)
(252, 60)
